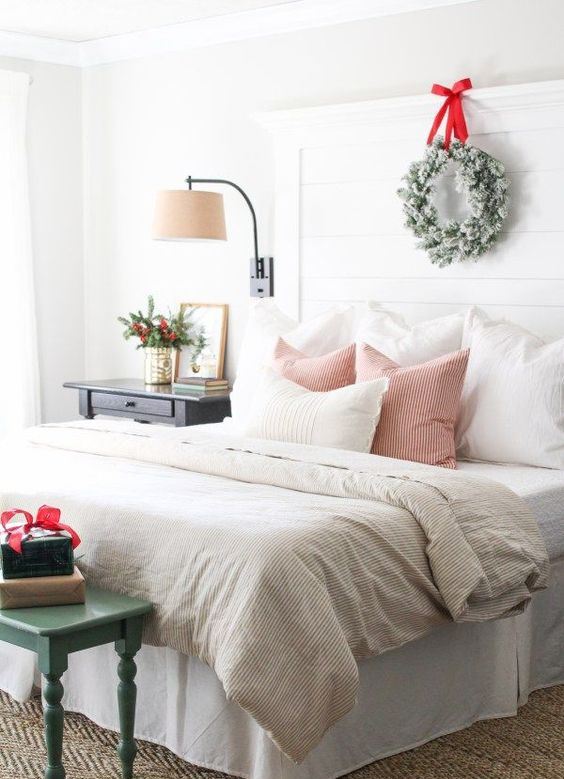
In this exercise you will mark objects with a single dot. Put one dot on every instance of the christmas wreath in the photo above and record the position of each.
(479, 175)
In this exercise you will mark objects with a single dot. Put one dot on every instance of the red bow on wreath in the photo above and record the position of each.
(453, 104)
(47, 519)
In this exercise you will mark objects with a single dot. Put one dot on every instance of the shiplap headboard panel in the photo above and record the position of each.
(339, 233)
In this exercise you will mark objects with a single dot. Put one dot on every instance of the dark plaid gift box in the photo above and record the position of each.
(40, 547)
(49, 555)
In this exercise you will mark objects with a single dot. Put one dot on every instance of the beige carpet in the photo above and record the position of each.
(529, 746)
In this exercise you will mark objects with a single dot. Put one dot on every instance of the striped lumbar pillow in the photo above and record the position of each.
(420, 408)
(317, 374)
(344, 418)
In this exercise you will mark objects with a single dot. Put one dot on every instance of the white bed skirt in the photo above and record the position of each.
(442, 683)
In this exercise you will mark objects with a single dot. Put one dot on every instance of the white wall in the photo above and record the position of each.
(55, 173)
(145, 124)
(150, 122)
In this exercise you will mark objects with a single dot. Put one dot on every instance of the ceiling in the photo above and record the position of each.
(85, 20)
(83, 33)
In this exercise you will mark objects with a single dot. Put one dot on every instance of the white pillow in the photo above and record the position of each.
(326, 333)
(512, 407)
(344, 418)
(389, 333)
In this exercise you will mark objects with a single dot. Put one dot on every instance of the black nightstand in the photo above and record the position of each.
(133, 399)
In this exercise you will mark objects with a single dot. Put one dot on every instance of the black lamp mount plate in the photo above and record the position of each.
(262, 277)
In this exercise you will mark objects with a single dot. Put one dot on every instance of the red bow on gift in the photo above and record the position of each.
(453, 104)
(47, 519)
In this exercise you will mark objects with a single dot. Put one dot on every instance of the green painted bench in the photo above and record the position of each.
(53, 632)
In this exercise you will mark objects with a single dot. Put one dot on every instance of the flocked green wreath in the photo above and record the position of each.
(481, 177)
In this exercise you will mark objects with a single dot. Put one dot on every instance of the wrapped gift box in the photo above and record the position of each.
(42, 591)
(43, 554)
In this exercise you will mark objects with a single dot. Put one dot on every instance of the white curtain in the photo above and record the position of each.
(19, 372)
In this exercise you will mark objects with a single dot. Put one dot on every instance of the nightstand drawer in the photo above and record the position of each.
(161, 405)
(130, 403)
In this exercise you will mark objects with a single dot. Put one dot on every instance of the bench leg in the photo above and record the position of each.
(127, 698)
(127, 692)
(53, 716)
(53, 662)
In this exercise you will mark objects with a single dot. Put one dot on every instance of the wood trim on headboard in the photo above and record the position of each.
(541, 95)
(519, 124)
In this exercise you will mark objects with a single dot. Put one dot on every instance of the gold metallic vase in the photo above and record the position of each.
(158, 365)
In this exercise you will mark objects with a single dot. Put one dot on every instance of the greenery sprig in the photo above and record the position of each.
(157, 331)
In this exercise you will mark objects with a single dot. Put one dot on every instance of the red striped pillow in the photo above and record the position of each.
(420, 408)
(318, 374)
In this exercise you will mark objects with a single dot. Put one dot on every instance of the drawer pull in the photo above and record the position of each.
(130, 404)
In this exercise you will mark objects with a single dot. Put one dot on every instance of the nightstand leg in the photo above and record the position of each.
(127, 693)
(85, 404)
(180, 413)
(54, 718)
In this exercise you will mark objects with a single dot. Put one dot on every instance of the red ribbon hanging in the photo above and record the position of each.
(453, 104)
(47, 519)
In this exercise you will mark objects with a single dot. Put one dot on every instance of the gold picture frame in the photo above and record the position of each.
(211, 319)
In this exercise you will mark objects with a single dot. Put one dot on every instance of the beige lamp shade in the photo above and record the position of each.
(189, 214)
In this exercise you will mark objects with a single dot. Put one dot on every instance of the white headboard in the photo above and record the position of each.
(339, 233)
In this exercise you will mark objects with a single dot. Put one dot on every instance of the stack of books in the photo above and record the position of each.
(195, 384)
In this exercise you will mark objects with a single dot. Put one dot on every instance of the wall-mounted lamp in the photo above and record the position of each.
(189, 214)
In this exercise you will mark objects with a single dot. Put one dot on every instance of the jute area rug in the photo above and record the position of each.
(529, 746)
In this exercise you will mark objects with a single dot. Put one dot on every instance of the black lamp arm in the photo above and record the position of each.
(247, 199)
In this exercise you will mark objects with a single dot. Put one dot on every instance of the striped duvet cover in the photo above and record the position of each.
(280, 565)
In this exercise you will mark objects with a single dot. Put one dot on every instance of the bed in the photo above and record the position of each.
(337, 225)
(437, 683)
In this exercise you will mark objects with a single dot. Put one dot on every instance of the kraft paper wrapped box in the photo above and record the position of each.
(42, 591)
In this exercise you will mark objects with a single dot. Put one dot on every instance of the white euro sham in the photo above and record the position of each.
(389, 333)
(512, 407)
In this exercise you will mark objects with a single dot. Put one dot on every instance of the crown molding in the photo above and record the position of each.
(36, 48)
(273, 20)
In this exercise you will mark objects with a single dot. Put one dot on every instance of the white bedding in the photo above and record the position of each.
(323, 557)
(541, 488)
(455, 676)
